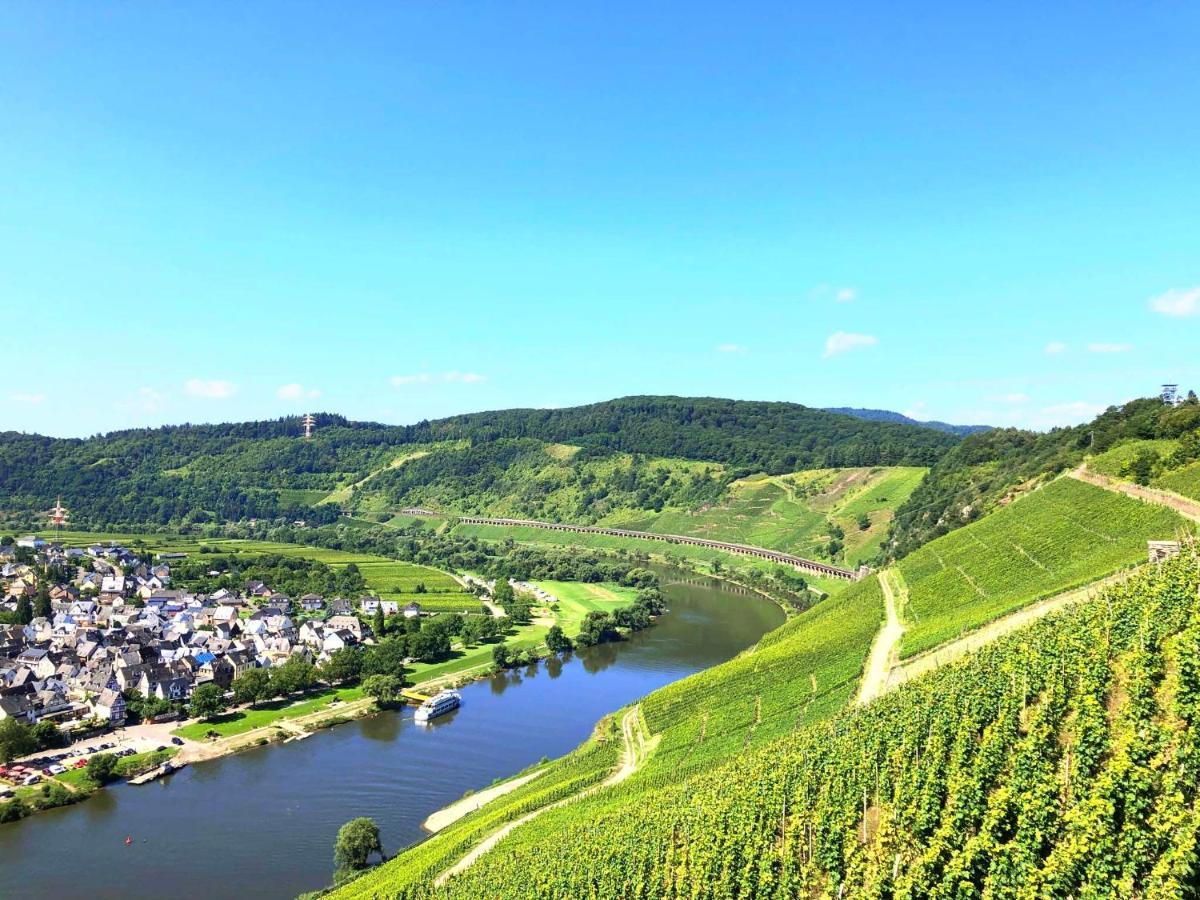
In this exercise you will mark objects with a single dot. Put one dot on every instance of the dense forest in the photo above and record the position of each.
(194, 474)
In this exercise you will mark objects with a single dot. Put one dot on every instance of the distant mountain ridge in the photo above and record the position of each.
(887, 415)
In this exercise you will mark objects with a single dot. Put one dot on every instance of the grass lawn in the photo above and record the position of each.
(576, 600)
(245, 720)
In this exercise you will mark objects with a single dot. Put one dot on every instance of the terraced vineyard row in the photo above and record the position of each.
(1063, 761)
(1057, 538)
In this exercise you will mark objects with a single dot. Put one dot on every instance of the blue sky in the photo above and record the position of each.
(219, 211)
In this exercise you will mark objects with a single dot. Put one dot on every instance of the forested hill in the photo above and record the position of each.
(198, 473)
(760, 436)
(887, 415)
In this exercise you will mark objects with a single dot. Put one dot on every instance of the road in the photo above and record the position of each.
(887, 643)
(1186, 507)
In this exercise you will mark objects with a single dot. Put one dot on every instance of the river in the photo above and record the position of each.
(262, 823)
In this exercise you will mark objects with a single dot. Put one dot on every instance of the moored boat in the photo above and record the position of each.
(438, 705)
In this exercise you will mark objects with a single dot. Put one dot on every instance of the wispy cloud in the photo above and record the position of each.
(1177, 302)
(1014, 399)
(209, 389)
(1055, 347)
(730, 348)
(1110, 348)
(842, 294)
(452, 377)
(29, 398)
(844, 341)
(296, 391)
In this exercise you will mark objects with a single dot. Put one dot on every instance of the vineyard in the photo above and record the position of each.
(1063, 761)
(1059, 537)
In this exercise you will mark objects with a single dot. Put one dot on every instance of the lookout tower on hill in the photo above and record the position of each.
(1170, 394)
(309, 422)
(59, 515)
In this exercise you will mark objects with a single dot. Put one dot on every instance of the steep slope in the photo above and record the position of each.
(987, 469)
(1063, 761)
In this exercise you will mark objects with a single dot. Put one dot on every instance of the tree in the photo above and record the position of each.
(384, 689)
(357, 841)
(24, 611)
(500, 655)
(15, 740)
(295, 675)
(208, 702)
(378, 625)
(503, 593)
(864, 522)
(102, 768)
(343, 665)
(252, 686)
(42, 605)
(557, 641)
(48, 736)
(386, 658)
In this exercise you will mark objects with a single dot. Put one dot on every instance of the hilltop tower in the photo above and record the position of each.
(59, 515)
(1170, 394)
(309, 422)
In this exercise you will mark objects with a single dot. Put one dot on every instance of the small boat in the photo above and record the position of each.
(438, 705)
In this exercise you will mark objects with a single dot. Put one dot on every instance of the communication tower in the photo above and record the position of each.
(309, 422)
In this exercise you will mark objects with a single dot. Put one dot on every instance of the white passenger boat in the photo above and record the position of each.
(438, 705)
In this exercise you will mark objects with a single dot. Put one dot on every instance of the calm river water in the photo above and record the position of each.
(262, 824)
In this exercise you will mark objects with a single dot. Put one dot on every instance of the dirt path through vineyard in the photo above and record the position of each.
(634, 749)
(887, 642)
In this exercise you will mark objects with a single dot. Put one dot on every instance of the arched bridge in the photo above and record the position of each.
(787, 559)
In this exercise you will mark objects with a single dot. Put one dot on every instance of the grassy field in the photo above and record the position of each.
(242, 721)
(1062, 536)
(794, 512)
(576, 600)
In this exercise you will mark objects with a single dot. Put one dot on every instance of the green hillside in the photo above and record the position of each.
(986, 470)
(1061, 536)
(1061, 762)
(198, 474)
(788, 699)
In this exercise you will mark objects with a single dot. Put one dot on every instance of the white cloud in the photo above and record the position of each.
(454, 377)
(212, 390)
(1178, 302)
(1110, 348)
(464, 377)
(149, 399)
(295, 391)
(845, 295)
(730, 348)
(31, 399)
(843, 341)
(1055, 347)
(839, 294)
(918, 410)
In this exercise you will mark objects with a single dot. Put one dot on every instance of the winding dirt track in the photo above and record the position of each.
(634, 750)
(887, 642)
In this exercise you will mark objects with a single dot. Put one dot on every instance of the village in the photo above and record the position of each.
(112, 627)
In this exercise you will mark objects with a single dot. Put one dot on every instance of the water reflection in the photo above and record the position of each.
(242, 809)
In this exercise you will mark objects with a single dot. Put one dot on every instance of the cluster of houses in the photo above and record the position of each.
(118, 625)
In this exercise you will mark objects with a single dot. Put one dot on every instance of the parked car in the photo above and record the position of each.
(56, 769)
(31, 779)
(80, 764)
(178, 742)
